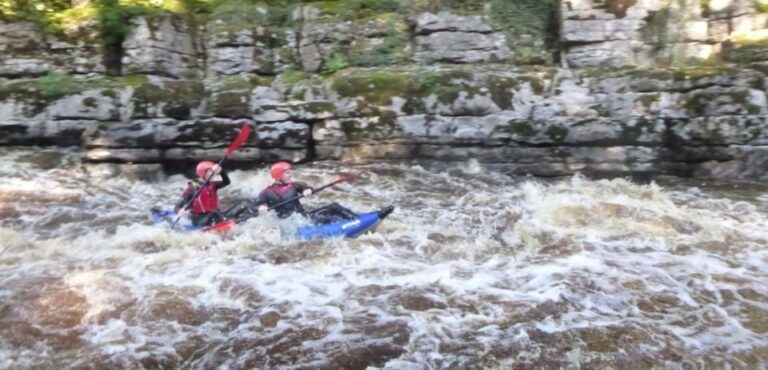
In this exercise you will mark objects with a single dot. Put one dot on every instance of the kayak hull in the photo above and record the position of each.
(162, 216)
(346, 229)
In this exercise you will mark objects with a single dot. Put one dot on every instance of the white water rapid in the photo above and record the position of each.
(475, 269)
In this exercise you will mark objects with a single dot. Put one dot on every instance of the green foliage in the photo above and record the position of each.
(425, 82)
(292, 77)
(534, 17)
(381, 6)
(760, 6)
(239, 12)
(13, 10)
(56, 85)
(358, 9)
(389, 52)
(377, 87)
(459, 6)
(115, 21)
(336, 62)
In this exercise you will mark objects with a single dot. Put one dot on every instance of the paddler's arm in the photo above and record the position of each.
(185, 197)
(225, 181)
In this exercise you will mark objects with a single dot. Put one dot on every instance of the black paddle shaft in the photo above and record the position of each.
(313, 191)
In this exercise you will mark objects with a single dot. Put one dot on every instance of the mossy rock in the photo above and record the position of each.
(701, 102)
(239, 83)
(425, 83)
(617, 7)
(647, 100)
(27, 92)
(357, 9)
(383, 126)
(90, 102)
(231, 104)
(519, 128)
(133, 80)
(346, 9)
(177, 99)
(377, 87)
(632, 133)
(556, 133)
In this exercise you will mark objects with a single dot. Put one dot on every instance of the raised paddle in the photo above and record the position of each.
(239, 140)
(334, 183)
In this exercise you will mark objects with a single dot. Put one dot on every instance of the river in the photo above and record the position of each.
(475, 269)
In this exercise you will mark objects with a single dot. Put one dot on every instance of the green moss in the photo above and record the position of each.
(630, 134)
(239, 14)
(286, 55)
(319, 107)
(384, 127)
(341, 9)
(647, 100)
(699, 103)
(538, 18)
(257, 80)
(133, 80)
(617, 7)
(336, 62)
(376, 87)
(358, 9)
(425, 83)
(109, 93)
(234, 83)
(760, 6)
(90, 102)
(178, 98)
(521, 128)
(28, 92)
(231, 104)
(291, 78)
(390, 51)
(680, 74)
(57, 85)
(446, 85)
(556, 133)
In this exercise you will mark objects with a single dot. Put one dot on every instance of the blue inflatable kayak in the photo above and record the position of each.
(347, 228)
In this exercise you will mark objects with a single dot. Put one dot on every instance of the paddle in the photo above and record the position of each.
(239, 140)
(334, 183)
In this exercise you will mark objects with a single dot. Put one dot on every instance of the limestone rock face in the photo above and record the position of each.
(449, 38)
(25, 50)
(241, 51)
(659, 32)
(656, 86)
(161, 46)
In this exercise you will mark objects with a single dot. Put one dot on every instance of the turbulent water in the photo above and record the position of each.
(475, 269)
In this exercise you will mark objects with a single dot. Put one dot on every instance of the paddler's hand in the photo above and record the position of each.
(307, 192)
(183, 212)
(263, 209)
(216, 169)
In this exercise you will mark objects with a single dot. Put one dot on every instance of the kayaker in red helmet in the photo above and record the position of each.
(284, 188)
(205, 208)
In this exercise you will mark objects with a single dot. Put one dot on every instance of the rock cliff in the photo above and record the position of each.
(618, 86)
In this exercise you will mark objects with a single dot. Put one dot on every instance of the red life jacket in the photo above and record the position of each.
(207, 201)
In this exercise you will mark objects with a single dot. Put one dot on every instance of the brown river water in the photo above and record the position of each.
(475, 269)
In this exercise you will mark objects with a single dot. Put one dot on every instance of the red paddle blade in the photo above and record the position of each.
(221, 226)
(347, 178)
(240, 139)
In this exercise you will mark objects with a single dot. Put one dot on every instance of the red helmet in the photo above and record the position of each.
(278, 169)
(203, 167)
